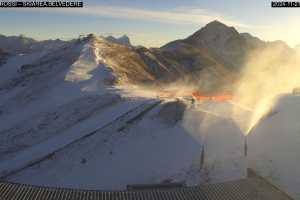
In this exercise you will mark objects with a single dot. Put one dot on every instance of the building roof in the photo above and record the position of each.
(251, 188)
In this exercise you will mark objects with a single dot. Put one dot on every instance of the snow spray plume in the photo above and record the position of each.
(268, 73)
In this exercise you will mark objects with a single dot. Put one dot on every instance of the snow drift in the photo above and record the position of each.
(274, 145)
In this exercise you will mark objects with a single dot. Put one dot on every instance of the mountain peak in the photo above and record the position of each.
(221, 40)
(124, 37)
(123, 40)
(216, 23)
(214, 32)
(217, 26)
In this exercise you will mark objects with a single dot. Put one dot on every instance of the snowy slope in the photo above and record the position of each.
(40, 83)
(146, 151)
(56, 94)
(24, 45)
(274, 145)
(14, 63)
(44, 94)
(52, 101)
(29, 89)
(157, 147)
(222, 156)
(45, 125)
(15, 161)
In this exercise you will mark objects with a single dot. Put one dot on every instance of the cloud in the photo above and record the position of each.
(179, 15)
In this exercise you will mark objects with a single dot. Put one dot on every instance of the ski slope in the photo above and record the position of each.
(37, 152)
(154, 147)
(68, 125)
(274, 145)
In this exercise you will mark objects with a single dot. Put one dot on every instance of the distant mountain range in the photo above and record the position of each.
(22, 44)
(210, 59)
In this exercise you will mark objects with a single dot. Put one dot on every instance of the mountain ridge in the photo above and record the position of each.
(210, 58)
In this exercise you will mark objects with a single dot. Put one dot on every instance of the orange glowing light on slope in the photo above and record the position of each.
(197, 96)
(167, 94)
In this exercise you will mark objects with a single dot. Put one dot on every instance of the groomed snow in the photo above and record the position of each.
(42, 150)
(274, 145)
(67, 94)
(156, 148)
(223, 156)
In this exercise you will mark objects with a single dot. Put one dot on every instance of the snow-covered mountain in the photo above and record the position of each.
(16, 44)
(224, 44)
(207, 60)
(22, 44)
(124, 40)
(274, 143)
(54, 98)
(75, 115)
(216, 53)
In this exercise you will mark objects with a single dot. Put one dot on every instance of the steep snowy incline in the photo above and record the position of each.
(157, 147)
(222, 156)
(14, 63)
(60, 95)
(45, 125)
(274, 145)
(147, 150)
(38, 152)
(90, 66)
(52, 104)
(26, 92)
(45, 98)
(82, 67)
(67, 74)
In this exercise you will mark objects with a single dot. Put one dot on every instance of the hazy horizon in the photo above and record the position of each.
(152, 23)
(131, 39)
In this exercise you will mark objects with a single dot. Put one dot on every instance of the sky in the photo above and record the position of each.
(153, 23)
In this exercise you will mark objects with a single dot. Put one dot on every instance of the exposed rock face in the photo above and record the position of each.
(210, 59)
(124, 40)
(223, 42)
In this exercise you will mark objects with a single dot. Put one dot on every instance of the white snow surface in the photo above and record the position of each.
(147, 151)
(14, 63)
(274, 145)
(39, 151)
(90, 66)
(152, 149)
(55, 79)
(62, 96)
(223, 142)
